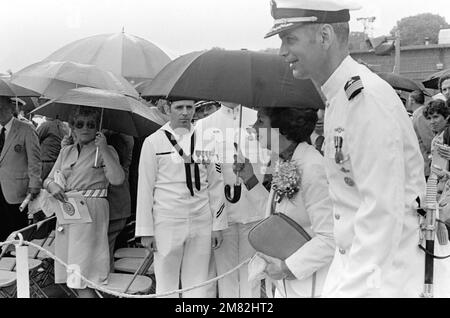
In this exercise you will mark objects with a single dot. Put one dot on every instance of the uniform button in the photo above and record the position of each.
(342, 251)
(337, 217)
(349, 182)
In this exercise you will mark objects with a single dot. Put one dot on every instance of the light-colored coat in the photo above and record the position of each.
(20, 163)
(311, 208)
(374, 190)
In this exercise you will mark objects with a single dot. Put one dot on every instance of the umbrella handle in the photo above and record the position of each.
(96, 158)
(237, 186)
(236, 193)
(96, 149)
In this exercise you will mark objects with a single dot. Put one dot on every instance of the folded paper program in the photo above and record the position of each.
(73, 211)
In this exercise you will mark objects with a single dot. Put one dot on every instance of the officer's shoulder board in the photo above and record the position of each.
(353, 87)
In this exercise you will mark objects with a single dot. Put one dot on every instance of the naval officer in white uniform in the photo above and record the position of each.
(180, 204)
(373, 161)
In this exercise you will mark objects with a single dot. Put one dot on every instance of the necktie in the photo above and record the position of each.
(319, 143)
(2, 139)
(188, 161)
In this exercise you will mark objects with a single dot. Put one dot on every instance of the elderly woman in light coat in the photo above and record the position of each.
(85, 246)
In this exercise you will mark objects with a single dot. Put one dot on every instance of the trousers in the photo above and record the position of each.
(11, 218)
(236, 249)
(183, 253)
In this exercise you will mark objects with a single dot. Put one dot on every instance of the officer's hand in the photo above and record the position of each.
(57, 192)
(216, 239)
(444, 151)
(276, 269)
(149, 243)
(242, 166)
(34, 192)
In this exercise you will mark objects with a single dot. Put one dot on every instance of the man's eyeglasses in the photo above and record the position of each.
(90, 124)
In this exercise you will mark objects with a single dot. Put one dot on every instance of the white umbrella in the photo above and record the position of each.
(53, 79)
(133, 57)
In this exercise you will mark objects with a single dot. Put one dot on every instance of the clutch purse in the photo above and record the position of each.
(278, 236)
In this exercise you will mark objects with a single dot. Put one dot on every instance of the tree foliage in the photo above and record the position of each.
(415, 29)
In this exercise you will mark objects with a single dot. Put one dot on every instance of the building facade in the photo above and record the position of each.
(416, 62)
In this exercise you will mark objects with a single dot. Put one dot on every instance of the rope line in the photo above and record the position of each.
(118, 294)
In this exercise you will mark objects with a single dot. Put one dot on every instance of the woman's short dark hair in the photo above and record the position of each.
(85, 111)
(296, 124)
(437, 106)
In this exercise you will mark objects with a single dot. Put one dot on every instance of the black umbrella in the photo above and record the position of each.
(120, 113)
(248, 78)
(243, 77)
(402, 83)
(433, 81)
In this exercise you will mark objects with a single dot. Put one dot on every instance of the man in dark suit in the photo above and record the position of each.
(20, 168)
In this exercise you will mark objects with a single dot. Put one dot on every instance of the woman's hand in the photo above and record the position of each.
(442, 234)
(67, 141)
(242, 166)
(57, 192)
(100, 141)
(276, 269)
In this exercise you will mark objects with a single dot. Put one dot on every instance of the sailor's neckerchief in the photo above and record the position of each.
(188, 160)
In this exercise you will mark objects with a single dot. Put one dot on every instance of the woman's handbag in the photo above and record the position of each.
(278, 235)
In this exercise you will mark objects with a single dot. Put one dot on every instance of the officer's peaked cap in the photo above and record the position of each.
(289, 14)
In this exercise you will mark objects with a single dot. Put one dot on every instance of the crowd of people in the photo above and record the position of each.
(358, 172)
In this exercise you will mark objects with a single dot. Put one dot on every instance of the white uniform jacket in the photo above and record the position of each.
(374, 188)
(312, 209)
(162, 184)
(219, 131)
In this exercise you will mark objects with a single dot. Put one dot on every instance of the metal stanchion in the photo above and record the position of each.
(23, 279)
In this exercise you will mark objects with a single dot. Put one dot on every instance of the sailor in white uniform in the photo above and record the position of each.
(180, 204)
(220, 131)
(373, 161)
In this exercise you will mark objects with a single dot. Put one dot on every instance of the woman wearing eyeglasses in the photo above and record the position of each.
(85, 245)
